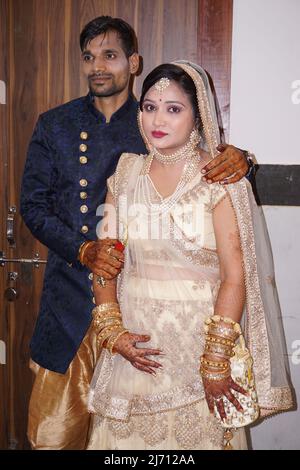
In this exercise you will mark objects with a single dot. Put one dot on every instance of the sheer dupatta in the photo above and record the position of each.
(262, 317)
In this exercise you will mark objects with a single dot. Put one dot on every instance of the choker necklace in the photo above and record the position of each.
(184, 153)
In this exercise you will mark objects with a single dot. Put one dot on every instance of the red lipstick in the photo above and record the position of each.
(158, 134)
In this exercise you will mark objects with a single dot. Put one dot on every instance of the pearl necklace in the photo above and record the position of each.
(142, 193)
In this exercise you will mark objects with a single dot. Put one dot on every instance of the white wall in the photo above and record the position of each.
(265, 118)
(283, 431)
(264, 115)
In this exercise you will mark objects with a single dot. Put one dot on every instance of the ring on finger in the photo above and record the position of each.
(108, 251)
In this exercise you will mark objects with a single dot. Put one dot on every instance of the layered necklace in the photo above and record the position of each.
(142, 193)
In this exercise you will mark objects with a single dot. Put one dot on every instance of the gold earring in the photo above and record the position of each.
(195, 138)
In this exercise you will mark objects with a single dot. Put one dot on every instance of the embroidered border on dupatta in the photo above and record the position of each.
(121, 408)
(271, 399)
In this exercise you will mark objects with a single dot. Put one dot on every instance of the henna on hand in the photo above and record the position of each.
(103, 259)
(227, 167)
(215, 391)
(126, 346)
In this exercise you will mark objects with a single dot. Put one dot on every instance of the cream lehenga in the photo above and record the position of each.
(167, 289)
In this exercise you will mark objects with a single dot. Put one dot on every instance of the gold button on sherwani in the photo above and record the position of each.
(83, 135)
(83, 160)
(83, 147)
(84, 209)
(84, 229)
(83, 195)
(83, 183)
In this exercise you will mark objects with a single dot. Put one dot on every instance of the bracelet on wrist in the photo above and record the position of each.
(82, 249)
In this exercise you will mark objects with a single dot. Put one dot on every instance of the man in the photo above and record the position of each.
(74, 149)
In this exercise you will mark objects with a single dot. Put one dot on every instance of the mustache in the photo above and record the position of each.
(99, 75)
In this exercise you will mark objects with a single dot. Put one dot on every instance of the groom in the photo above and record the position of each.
(74, 149)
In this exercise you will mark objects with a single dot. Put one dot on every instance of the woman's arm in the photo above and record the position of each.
(232, 294)
(126, 343)
(215, 365)
(108, 227)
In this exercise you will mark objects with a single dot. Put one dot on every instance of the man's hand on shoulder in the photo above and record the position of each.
(228, 167)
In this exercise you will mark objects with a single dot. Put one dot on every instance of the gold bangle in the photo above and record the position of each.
(219, 340)
(222, 331)
(218, 351)
(113, 339)
(215, 320)
(210, 368)
(109, 335)
(215, 376)
(107, 314)
(219, 348)
(82, 250)
(105, 334)
(100, 327)
(105, 307)
(101, 322)
(221, 372)
(215, 364)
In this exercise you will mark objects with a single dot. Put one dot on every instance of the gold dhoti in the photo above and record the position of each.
(58, 417)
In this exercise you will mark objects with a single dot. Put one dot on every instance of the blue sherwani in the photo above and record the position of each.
(71, 154)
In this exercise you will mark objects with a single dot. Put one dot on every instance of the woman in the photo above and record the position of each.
(192, 253)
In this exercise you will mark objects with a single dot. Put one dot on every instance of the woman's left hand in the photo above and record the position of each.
(215, 391)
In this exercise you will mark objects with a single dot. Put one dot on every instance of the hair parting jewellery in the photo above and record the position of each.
(162, 84)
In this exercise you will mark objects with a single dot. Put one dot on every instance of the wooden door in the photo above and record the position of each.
(40, 69)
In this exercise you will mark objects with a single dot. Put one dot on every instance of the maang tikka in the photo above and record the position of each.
(162, 84)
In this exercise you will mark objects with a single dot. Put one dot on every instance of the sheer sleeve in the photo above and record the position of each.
(119, 180)
(218, 193)
(111, 185)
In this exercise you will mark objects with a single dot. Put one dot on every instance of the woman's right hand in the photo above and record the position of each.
(126, 346)
(103, 259)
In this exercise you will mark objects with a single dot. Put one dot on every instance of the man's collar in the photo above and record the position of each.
(122, 111)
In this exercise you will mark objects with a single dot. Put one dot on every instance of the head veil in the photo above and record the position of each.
(262, 316)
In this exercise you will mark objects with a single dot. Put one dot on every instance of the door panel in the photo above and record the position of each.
(40, 65)
(4, 418)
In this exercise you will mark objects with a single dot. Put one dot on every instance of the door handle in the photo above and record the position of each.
(11, 292)
(36, 261)
(10, 226)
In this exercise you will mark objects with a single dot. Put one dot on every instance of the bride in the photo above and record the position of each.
(193, 251)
